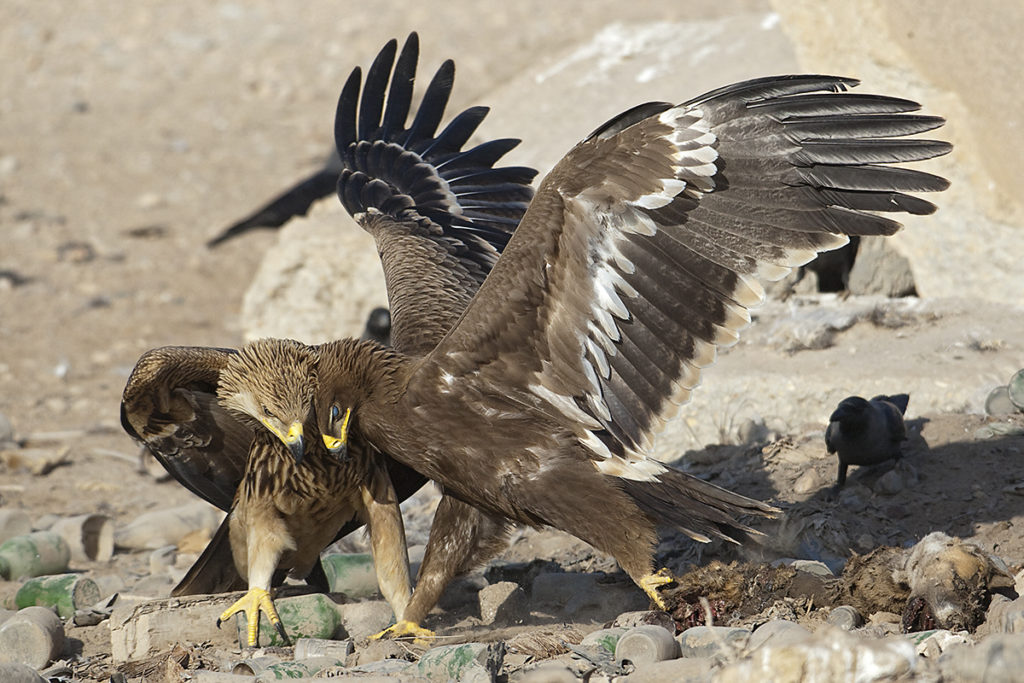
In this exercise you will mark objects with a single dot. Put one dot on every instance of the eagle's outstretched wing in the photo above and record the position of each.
(440, 215)
(643, 249)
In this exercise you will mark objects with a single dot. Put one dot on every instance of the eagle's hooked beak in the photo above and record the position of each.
(338, 445)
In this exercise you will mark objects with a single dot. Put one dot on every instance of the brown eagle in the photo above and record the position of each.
(640, 255)
(226, 427)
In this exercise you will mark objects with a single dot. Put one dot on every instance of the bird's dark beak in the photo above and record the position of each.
(293, 440)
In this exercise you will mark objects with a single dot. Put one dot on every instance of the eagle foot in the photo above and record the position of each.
(652, 582)
(252, 603)
(421, 636)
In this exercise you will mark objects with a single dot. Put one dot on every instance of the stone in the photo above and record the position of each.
(880, 268)
(503, 603)
(776, 633)
(996, 659)
(673, 671)
(845, 617)
(811, 480)
(890, 483)
(657, 617)
(14, 672)
(816, 567)
(645, 645)
(366, 618)
(870, 39)
(716, 643)
(1005, 615)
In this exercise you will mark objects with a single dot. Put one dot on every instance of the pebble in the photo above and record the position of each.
(503, 603)
(717, 643)
(645, 645)
(776, 633)
(34, 637)
(845, 617)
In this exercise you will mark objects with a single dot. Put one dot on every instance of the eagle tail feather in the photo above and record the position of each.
(699, 509)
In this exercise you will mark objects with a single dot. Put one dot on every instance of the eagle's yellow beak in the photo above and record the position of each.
(338, 445)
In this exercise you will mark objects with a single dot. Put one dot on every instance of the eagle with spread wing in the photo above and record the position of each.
(640, 255)
(226, 426)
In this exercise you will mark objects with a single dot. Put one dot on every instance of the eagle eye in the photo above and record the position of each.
(335, 412)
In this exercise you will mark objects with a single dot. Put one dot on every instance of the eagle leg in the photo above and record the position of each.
(651, 582)
(256, 600)
(383, 518)
(403, 628)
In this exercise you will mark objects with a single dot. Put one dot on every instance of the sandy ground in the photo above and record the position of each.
(131, 134)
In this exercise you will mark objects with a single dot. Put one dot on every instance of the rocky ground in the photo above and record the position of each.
(132, 135)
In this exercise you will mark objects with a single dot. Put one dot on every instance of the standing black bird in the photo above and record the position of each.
(866, 432)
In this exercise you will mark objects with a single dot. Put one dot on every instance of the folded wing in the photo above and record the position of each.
(170, 404)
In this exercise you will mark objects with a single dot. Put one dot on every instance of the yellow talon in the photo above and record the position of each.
(652, 582)
(252, 603)
(421, 636)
